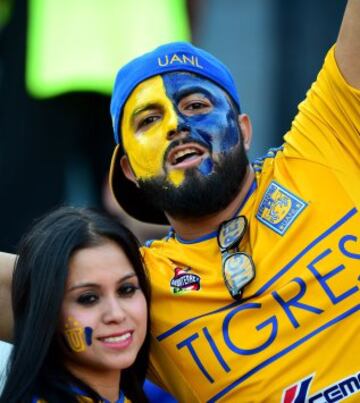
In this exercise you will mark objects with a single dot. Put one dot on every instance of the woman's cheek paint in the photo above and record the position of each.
(76, 336)
(88, 335)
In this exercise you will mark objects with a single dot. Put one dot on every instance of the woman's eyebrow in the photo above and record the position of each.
(83, 285)
(96, 285)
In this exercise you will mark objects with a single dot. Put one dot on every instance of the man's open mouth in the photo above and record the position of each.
(186, 155)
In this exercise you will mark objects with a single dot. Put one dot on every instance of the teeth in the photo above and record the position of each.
(117, 339)
(181, 153)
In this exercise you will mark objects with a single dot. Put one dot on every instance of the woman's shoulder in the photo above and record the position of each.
(81, 398)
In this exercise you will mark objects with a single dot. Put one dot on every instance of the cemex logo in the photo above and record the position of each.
(297, 393)
(336, 392)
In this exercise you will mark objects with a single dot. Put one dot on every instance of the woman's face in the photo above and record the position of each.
(104, 314)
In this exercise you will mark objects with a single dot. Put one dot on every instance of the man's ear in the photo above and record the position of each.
(246, 129)
(127, 170)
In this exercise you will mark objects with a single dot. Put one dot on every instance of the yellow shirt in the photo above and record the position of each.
(296, 335)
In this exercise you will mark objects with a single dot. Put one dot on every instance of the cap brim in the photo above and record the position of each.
(129, 196)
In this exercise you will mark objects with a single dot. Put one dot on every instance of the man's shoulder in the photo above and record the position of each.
(157, 248)
(155, 243)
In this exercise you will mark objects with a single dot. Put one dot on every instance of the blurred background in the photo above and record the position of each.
(58, 60)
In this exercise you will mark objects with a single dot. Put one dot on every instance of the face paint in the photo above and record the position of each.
(88, 335)
(171, 103)
(74, 335)
(146, 145)
(211, 122)
(206, 166)
(216, 128)
(213, 192)
(176, 177)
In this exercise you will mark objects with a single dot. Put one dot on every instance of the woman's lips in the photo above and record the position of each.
(120, 341)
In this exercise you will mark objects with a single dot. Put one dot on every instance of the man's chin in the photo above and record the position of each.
(199, 195)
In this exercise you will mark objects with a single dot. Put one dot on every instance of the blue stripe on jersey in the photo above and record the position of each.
(286, 268)
(283, 352)
(281, 272)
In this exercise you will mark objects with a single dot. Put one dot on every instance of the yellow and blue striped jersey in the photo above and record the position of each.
(295, 335)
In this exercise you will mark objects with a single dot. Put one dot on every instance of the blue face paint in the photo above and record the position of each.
(88, 335)
(218, 129)
(206, 167)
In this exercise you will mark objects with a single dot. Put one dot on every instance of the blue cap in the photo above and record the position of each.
(175, 56)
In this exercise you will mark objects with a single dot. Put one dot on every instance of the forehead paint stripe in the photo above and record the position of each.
(146, 148)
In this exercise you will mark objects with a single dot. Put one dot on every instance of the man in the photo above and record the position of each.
(255, 292)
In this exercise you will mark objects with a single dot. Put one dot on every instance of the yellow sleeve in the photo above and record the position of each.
(326, 129)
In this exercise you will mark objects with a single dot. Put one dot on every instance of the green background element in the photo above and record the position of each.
(78, 45)
(5, 12)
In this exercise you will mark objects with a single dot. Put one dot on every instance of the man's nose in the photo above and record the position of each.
(181, 131)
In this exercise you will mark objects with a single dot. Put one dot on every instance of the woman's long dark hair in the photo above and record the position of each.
(35, 365)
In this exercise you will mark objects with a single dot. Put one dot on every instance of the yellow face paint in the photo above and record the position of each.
(74, 335)
(146, 145)
(176, 177)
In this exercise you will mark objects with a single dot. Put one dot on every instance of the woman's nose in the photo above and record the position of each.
(114, 311)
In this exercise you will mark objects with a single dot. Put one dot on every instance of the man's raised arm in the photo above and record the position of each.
(347, 50)
(6, 320)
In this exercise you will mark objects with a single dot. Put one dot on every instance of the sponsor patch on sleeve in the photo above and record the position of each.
(279, 208)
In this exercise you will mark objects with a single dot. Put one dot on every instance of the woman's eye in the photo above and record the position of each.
(127, 290)
(87, 299)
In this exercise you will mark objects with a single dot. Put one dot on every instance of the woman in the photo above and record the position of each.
(81, 309)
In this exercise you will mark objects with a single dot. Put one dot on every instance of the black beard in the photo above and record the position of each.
(200, 195)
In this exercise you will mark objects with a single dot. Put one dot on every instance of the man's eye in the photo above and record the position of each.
(147, 121)
(127, 290)
(87, 299)
(196, 105)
